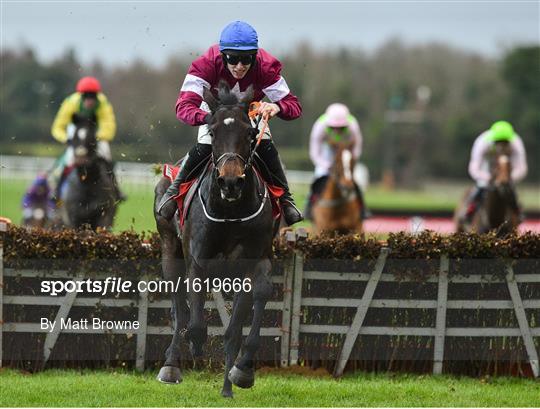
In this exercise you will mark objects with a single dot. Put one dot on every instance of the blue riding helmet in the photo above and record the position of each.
(239, 36)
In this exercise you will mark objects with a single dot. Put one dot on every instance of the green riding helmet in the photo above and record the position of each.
(501, 131)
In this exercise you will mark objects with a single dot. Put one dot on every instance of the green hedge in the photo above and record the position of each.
(23, 244)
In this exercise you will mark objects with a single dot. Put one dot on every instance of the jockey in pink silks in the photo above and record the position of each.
(336, 123)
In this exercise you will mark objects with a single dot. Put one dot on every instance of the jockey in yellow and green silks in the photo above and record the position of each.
(89, 102)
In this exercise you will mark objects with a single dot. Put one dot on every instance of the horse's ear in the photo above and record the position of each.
(248, 98)
(223, 90)
(209, 98)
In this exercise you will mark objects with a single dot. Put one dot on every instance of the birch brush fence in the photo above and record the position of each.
(427, 303)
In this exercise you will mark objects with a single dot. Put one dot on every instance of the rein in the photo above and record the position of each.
(239, 219)
(230, 155)
(253, 107)
(252, 114)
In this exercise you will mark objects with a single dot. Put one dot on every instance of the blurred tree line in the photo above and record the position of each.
(468, 93)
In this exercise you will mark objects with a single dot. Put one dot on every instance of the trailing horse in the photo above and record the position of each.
(227, 233)
(337, 208)
(37, 204)
(88, 195)
(498, 208)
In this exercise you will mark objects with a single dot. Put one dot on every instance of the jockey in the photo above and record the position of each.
(88, 101)
(239, 61)
(500, 131)
(38, 195)
(336, 123)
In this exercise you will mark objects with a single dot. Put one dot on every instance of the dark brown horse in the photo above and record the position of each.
(498, 208)
(88, 196)
(338, 206)
(227, 235)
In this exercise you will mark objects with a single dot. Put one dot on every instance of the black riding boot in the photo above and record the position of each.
(121, 197)
(309, 205)
(364, 212)
(317, 186)
(269, 154)
(514, 204)
(473, 203)
(167, 207)
(58, 188)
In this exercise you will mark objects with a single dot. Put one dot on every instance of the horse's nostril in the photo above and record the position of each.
(221, 182)
(240, 182)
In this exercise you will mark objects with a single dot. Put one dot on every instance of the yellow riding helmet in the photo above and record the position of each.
(501, 131)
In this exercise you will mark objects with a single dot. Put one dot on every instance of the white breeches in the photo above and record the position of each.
(103, 150)
(323, 168)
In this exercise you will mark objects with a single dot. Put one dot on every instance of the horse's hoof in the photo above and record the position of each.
(169, 375)
(227, 394)
(242, 379)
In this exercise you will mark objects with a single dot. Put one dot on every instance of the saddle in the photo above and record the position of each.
(188, 189)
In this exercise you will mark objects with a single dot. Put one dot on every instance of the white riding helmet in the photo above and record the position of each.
(337, 115)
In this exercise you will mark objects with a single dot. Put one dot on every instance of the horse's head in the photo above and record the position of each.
(343, 167)
(232, 134)
(501, 167)
(83, 140)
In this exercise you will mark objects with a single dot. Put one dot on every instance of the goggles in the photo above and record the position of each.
(89, 95)
(245, 59)
(336, 134)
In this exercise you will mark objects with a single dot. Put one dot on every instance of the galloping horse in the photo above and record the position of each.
(498, 209)
(38, 207)
(338, 206)
(227, 233)
(88, 195)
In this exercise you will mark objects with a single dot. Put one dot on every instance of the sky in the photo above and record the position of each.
(117, 32)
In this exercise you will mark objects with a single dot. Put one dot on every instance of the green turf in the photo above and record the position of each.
(136, 212)
(124, 389)
(380, 198)
(11, 193)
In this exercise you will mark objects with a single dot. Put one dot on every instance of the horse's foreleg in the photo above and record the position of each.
(105, 219)
(172, 264)
(243, 373)
(233, 336)
(179, 310)
(197, 331)
(170, 372)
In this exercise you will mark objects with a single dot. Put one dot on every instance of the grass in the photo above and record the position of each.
(56, 388)
(136, 212)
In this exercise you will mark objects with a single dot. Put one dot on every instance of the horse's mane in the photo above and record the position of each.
(226, 98)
